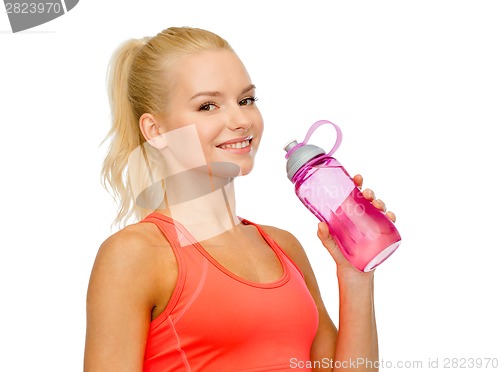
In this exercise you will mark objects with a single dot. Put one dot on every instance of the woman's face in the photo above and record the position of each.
(213, 91)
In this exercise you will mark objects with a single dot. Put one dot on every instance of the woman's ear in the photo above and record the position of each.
(150, 129)
(149, 126)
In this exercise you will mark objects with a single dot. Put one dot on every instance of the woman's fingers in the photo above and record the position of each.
(369, 194)
(323, 231)
(358, 180)
(330, 244)
(379, 204)
(391, 216)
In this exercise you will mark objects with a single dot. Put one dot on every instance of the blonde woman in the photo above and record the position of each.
(192, 286)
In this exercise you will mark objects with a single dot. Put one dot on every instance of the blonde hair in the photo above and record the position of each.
(136, 79)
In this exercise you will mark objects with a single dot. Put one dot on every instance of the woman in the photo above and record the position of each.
(192, 286)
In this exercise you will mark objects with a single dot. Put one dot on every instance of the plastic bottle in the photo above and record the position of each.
(364, 234)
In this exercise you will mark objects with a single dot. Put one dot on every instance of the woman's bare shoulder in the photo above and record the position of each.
(292, 247)
(135, 254)
(135, 241)
(285, 239)
(137, 234)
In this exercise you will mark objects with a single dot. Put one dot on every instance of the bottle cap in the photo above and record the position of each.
(298, 155)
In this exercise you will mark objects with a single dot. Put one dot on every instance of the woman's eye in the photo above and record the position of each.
(208, 106)
(248, 101)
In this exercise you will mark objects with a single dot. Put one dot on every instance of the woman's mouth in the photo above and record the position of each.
(238, 145)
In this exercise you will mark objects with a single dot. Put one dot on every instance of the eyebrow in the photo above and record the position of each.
(218, 94)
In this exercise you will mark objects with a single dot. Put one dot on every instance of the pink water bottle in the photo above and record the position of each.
(363, 233)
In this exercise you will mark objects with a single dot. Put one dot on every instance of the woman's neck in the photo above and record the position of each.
(202, 201)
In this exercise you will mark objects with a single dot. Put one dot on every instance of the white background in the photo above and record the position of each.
(414, 86)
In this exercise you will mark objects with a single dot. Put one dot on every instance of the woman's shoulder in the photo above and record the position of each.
(294, 250)
(285, 239)
(138, 238)
(278, 233)
(133, 249)
(133, 261)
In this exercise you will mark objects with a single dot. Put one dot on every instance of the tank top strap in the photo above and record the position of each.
(275, 245)
(172, 230)
(181, 246)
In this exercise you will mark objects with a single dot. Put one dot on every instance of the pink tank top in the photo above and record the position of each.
(217, 321)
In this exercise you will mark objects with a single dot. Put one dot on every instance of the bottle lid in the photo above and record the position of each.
(298, 155)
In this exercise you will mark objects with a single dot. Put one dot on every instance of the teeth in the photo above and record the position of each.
(236, 145)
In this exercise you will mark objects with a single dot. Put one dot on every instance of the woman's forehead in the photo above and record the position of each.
(210, 71)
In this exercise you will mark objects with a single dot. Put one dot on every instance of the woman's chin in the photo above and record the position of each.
(244, 170)
(223, 167)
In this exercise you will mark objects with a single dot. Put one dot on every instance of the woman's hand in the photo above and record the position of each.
(329, 242)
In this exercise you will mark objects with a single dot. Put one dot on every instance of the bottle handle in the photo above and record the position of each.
(315, 126)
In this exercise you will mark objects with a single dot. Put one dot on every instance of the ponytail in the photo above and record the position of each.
(124, 134)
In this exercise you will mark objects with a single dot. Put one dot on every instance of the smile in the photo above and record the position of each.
(237, 144)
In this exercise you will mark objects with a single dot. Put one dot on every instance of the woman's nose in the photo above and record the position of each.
(238, 119)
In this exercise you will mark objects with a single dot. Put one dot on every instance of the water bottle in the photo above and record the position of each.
(364, 234)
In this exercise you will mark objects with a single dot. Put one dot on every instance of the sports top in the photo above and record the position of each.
(217, 321)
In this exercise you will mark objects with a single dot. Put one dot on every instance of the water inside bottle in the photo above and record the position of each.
(363, 233)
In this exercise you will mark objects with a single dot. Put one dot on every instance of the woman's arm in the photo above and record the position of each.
(121, 296)
(355, 344)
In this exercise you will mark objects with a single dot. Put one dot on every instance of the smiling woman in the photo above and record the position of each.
(192, 286)
(212, 91)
